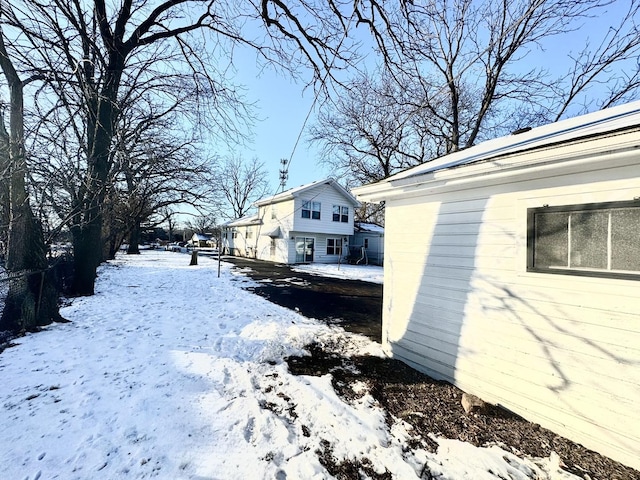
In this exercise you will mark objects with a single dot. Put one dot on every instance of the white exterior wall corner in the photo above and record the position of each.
(560, 350)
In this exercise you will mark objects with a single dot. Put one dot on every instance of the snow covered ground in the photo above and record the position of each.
(171, 372)
(367, 273)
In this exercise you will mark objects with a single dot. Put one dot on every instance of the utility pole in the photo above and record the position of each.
(284, 173)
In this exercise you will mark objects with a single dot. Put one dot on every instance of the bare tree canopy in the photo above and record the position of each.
(88, 55)
(454, 73)
(239, 183)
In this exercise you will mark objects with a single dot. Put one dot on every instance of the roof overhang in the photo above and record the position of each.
(275, 233)
(619, 148)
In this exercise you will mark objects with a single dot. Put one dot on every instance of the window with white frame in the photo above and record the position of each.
(311, 210)
(594, 239)
(340, 214)
(249, 233)
(334, 246)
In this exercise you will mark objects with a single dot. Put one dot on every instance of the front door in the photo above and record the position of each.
(304, 249)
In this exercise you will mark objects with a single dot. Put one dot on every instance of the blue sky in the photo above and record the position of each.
(283, 107)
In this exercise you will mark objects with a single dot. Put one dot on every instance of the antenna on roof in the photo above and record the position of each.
(284, 173)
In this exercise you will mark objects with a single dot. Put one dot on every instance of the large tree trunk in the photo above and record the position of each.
(32, 300)
(134, 239)
(87, 239)
(87, 251)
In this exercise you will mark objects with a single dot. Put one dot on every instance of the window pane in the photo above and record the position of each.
(306, 214)
(551, 239)
(625, 239)
(336, 213)
(589, 232)
(315, 215)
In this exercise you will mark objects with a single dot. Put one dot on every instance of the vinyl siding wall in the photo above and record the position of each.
(560, 350)
(320, 254)
(375, 250)
(328, 197)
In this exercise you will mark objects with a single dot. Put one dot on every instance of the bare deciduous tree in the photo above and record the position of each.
(240, 183)
(464, 72)
(32, 299)
(369, 133)
(96, 48)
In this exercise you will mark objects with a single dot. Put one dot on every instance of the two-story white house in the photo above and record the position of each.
(310, 223)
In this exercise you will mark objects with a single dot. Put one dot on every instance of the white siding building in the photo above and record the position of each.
(512, 270)
(310, 223)
(370, 237)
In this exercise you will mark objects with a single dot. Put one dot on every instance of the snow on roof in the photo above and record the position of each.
(608, 120)
(202, 237)
(296, 191)
(368, 227)
(246, 220)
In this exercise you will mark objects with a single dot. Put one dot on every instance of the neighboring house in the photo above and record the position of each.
(239, 236)
(512, 270)
(310, 223)
(370, 237)
(202, 241)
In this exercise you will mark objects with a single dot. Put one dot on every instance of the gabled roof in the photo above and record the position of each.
(608, 121)
(302, 189)
(201, 237)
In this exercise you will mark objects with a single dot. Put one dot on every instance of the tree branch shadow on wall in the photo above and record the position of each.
(458, 313)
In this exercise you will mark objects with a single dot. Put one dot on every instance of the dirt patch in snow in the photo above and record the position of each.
(434, 407)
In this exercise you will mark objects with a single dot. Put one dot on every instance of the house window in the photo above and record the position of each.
(334, 246)
(340, 214)
(366, 243)
(311, 210)
(249, 233)
(274, 212)
(234, 234)
(594, 240)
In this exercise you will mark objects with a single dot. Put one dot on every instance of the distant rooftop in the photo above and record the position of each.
(368, 227)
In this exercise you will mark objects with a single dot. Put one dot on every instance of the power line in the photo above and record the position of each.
(284, 172)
